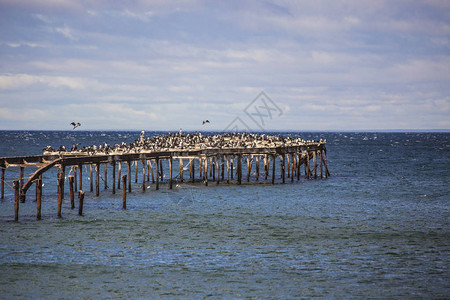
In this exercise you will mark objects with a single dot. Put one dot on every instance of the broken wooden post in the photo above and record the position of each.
(80, 203)
(327, 173)
(16, 186)
(71, 192)
(38, 183)
(124, 192)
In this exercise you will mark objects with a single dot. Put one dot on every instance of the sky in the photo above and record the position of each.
(241, 64)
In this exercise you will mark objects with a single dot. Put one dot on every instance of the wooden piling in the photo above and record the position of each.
(213, 168)
(283, 168)
(288, 163)
(248, 168)
(81, 202)
(228, 169)
(321, 163)
(148, 170)
(143, 175)
(80, 169)
(119, 175)
(151, 171)
(222, 166)
(161, 171)
(113, 177)
(129, 177)
(136, 171)
(218, 169)
(239, 167)
(205, 170)
(105, 179)
(231, 167)
(273, 169)
(97, 179)
(193, 169)
(3, 183)
(181, 170)
(91, 179)
(315, 163)
(157, 173)
(63, 174)
(38, 183)
(298, 166)
(16, 186)
(257, 167)
(327, 173)
(71, 192)
(124, 191)
(292, 161)
(170, 172)
(60, 194)
(266, 166)
(75, 179)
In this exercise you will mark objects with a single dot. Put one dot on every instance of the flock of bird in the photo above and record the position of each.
(189, 141)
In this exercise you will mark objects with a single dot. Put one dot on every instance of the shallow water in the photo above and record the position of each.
(378, 227)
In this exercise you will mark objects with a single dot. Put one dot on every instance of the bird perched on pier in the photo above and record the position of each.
(75, 125)
(206, 121)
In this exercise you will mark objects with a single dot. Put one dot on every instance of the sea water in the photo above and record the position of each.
(378, 227)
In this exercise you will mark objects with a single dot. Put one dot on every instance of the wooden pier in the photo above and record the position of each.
(215, 164)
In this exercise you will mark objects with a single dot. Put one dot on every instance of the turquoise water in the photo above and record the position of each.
(378, 227)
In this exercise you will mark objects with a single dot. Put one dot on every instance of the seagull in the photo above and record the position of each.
(75, 125)
(204, 122)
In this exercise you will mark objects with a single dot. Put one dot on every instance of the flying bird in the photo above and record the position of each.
(75, 125)
(204, 122)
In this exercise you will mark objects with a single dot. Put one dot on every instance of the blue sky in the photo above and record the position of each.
(166, 65)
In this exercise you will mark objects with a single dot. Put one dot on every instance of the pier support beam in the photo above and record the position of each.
(97, 179)
(129, 176)
(143, 175)
(60, 193)
(181, 170)
(3, 183)
(239, 168)
(124, 192)
(16, 186)
(119, 175)
(80, 169)
(170, 173)
(273, 169)
(91, 178)
(38, 183)
(113, 177)
(81, 202)
(71, 192)
(157, 173)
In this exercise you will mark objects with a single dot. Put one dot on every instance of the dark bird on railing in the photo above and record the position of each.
(75, 125)
(206, 121)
